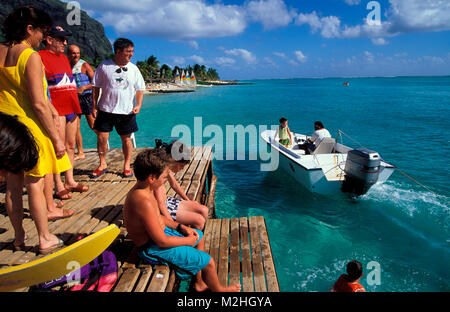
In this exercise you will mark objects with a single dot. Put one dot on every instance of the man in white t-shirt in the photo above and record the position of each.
(311, 144)
(123, 89)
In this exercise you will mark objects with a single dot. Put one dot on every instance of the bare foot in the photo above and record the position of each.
(79, 156)
(200, 286)
(231, 288)
(58, 213)
(49, 244)
(20, 240)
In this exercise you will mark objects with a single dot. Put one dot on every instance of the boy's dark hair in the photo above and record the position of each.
(18, 150)
(15, 24)
(151, 162)
(319, 124)
(176, 150)
(354, 270)
(121, 44)
(283, 120)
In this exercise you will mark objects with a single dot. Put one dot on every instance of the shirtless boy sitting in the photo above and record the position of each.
(162, 239)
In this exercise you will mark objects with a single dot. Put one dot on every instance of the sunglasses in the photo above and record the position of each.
(119, 70)
(60, 39)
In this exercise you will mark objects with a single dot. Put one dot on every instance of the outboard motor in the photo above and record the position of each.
(361, 171)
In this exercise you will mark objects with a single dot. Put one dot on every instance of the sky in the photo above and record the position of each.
(283, 39)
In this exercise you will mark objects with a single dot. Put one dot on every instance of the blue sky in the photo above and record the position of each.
(260, 39)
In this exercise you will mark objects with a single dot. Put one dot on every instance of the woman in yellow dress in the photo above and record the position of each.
(23, 93)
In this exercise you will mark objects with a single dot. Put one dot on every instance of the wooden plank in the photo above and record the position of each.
(198, 185)
(269, 266)
(235, 261)
(105, 211)
(258, 271)
(171, 282)
(247, 278)
(145, 277)
(224, 251)
(208, 234)
(160, 278)
(127, 280)
(212, 198)
(193, 165)
(214, 249)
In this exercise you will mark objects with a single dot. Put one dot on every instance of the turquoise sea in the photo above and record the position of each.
(400, 225)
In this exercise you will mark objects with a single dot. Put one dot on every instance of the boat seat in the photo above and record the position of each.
(327, 146)
(297, 149)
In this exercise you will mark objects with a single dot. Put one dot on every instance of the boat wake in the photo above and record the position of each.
(422, 213)
(409, 200)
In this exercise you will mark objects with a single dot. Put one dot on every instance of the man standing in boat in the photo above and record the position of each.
(313, 142)
(123, 89)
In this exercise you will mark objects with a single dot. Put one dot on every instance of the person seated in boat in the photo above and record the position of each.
(350, 282)
(160, 239)
(183, 210)
(284, 134)
(318, 135)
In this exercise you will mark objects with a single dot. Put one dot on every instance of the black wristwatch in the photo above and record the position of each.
(179, 228)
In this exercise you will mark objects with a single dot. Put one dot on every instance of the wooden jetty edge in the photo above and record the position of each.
(239, 246)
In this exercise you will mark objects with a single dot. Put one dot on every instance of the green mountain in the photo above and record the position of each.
(89, 35)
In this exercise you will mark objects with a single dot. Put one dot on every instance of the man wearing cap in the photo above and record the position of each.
(123, 89)
(64, 97)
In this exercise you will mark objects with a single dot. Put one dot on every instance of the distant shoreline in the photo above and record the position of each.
(350, 77)
(223, 83)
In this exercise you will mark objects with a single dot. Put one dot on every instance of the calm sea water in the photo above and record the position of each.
(400, 225)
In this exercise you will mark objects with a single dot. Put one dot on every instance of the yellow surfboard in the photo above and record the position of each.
(59, 263)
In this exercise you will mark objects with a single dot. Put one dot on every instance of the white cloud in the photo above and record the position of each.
(179, 60)
(187, 19)
(269, 61)
(197, 59)
(379, 41)
(172, 19)
(352, 2)
(193, 44)
(329, 26)
(246, 55)
(369, 57)
(280, 54)
(436, 60)
(403, 16)
(270, 13)
(225, 61)
(300, 56)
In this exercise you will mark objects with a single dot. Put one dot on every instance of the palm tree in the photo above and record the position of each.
(153, 65)
(212, 74)
(167, 71)
(203, 75)
(145, 70)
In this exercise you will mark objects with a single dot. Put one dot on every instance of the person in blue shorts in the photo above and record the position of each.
(160, 239)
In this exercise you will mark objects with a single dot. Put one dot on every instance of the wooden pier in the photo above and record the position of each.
(240, 247)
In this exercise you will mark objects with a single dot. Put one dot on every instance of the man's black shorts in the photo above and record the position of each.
(124, 124)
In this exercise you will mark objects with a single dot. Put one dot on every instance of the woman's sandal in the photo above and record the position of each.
(63, 194)
(66, 214)
(79, 188)
(46, 251)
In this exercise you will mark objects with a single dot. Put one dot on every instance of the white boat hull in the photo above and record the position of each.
(321, 173)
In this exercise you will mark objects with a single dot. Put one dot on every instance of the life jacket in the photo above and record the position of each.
(283, 134)
(342, 285)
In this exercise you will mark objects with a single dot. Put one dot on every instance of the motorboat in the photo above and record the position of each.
(332, 167)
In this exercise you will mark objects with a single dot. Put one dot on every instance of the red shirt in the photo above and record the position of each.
(342, 285)
(61, 83)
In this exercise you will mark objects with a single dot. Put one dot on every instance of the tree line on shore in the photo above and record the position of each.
(152, 71)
